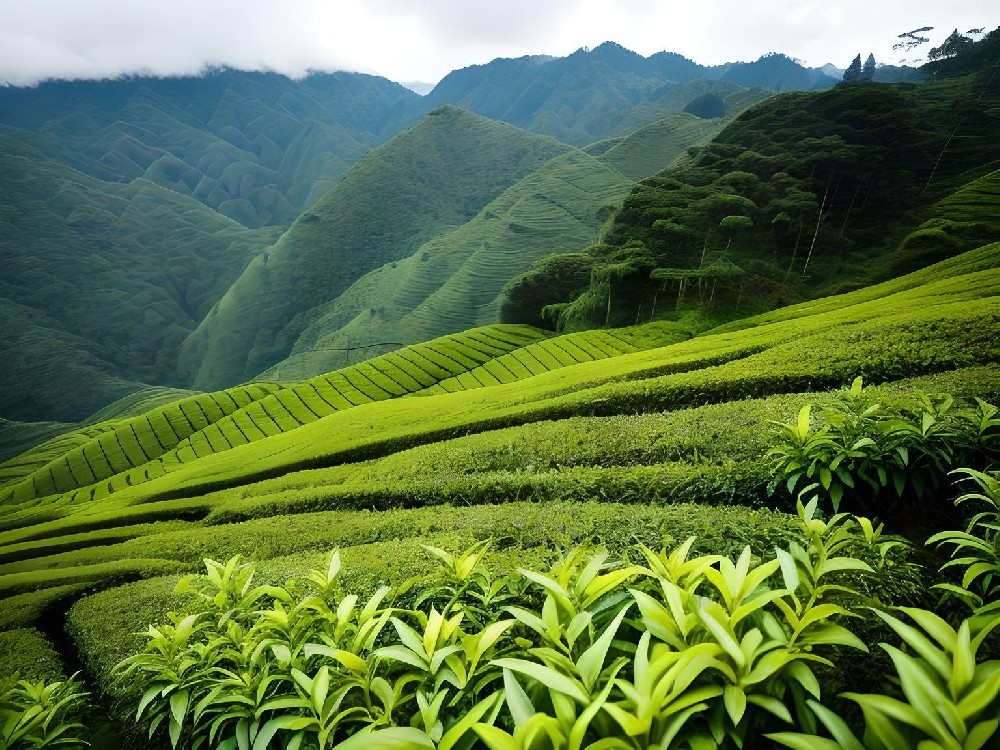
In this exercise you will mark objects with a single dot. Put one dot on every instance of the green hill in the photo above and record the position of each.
(803, 195)
(435, 176)
(257, 147)
(130, 207)
(102, 281)
(153, 196)
(455, 280)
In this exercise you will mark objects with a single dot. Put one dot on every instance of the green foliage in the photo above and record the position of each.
(453, 163)
(959, 55)
(675, 649)
(864, 450)
(41, 714)
(949, 698)
(556, 278)
(805, 170)
(954, 45)
(975, 552)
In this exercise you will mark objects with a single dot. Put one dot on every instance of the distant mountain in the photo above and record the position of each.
(256, 147)
(592, 93)
(776, 72)
(132, 206)
(425, 181)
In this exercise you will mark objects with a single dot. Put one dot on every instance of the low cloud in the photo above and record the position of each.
(405, 40)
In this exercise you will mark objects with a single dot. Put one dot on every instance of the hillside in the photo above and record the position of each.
(642, 416)
(435, 176)
(102, 281)
(803, 195)
(454, 281)
(258, 148)
(132, 205)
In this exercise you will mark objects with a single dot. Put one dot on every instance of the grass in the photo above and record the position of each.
(558, 352)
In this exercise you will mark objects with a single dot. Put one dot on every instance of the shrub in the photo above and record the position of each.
(41, 714)
(864, 451)
(976, 551)
(725, 646)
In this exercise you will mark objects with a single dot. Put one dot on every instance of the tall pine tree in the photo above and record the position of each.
(853, 73)
(868, 72)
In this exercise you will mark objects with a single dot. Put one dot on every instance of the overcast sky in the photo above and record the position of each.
(421, 40)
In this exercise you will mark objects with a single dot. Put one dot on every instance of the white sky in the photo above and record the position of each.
(422, 40)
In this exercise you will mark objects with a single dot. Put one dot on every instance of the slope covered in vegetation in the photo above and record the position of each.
(454, 281)
(920, 324)
(452, 163)
(258, 148)
(803, 195)
(562, 420)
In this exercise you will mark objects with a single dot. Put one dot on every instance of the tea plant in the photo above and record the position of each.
(976, 551)
(949, 700)
(864, 451)
(674, 649)
(41, 714)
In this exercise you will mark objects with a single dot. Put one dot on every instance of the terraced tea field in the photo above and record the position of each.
(461, 419)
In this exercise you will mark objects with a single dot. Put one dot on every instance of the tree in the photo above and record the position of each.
(853, 73)
(953, 45)
(868, 72)
(551, 280)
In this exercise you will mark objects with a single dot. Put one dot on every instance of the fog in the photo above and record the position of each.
(422, 41)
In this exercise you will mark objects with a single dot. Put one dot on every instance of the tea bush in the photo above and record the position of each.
(671, 649)
(25, 652)
(864, 451)
(40, 714)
